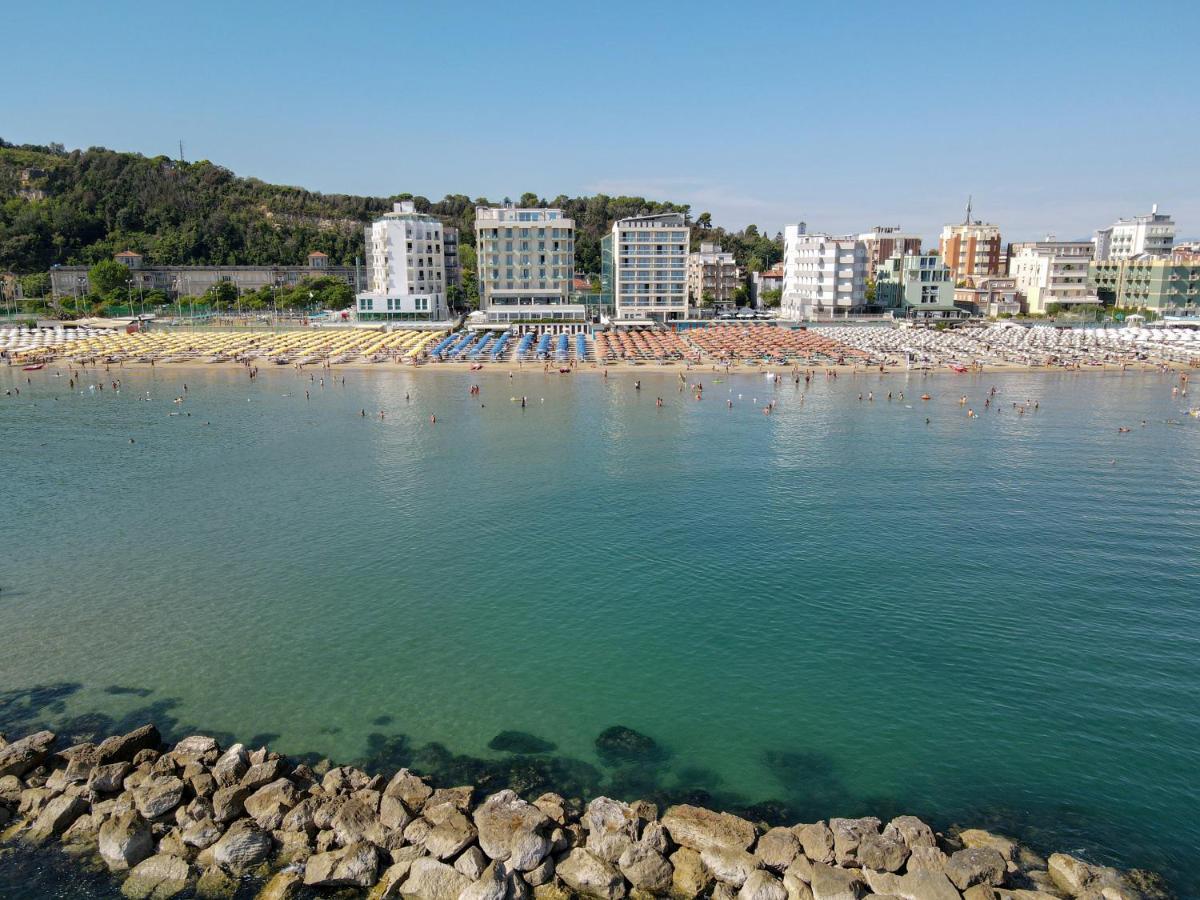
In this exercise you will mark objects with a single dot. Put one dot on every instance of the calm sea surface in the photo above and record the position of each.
(837, 609)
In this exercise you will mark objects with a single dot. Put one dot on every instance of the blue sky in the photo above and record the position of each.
(1057, 117)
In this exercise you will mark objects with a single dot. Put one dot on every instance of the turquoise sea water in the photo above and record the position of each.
(837, 608)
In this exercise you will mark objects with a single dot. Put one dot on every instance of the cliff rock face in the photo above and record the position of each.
(195, 818)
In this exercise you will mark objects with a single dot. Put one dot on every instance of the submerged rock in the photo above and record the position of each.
(125, 840)
(520, 742)
(620, 744)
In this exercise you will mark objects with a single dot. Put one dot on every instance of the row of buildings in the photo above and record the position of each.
(1132, 263)
(525, 260)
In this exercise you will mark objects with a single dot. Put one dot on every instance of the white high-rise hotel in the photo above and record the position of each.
(406, 271)
(822, 274)
(1151, 235)
(650, 277)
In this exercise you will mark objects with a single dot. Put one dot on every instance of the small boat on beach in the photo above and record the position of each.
(961, 370)
(33, 368)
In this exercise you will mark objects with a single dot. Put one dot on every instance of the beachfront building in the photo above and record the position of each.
(1147, 282)
(526, 261)
(450, 255)
(1052, 273)
(971, 249)
(195, 281)
(823, 275)
(917, 286)
(406, 268)
(885, 241)
(645, 260)
(989, 295)
(1150, 235)
(712, 276)
(767, 280)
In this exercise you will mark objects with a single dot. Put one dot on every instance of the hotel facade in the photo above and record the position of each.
(645, 261)
(970, 250)
(406, 267)
(1052, 273)
(823, 275)
(1150, 235)
(526, 264)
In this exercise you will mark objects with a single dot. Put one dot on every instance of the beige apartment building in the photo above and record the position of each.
(971, 249)
(526, 260)
(712, 276)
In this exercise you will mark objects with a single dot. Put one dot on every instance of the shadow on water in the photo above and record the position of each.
(633, 766)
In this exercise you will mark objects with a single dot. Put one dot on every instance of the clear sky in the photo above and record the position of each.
(1058, 117)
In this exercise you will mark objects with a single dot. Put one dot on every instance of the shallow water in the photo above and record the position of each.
(837, 607)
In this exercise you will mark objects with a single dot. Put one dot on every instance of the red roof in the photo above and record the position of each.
(316, 253)
(128, 253)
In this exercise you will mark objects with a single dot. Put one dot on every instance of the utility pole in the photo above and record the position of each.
(181, 152)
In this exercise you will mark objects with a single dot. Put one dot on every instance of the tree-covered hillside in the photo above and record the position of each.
(78, 207)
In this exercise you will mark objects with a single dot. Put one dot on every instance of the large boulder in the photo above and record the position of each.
(125, 840)
(124, 747)
(591, 876)
(200, 833)
(409, 788)
(509, 827)
(429, 879)
(492, 884)
(848, 834)
(242, 847)
(354, 866)
(109, 778)
(157, 796)
(353, 820)
(912, 831)
(270, 803)
(922, 884)
(451, 831)
(229, 803)
(157, 878)
(975, 865)
(56, 817)
(26, 754)
(701, 829)
(762, 886)
(777, 848)
(730, 866)
(973, 838)
(885, 852)
(830, 883)
(646, 869)
(612, 827)
(816, 840)
(689, 877)
(263, 773)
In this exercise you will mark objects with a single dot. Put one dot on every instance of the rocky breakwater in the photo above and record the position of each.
(199, 818)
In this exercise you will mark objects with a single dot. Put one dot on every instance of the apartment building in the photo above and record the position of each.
(526, 261)
(1052, 273)
(767, 280)
(450, 255)
(645, 260)
(712, 276)
(1147, 282)
(823, 275)
(989, 295)
(918, 286)
(971, 249)
(1150, 235)
(406, 267)
(885, 241)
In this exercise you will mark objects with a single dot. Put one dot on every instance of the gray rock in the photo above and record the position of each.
(83, 831)
(508, 826)
(762, 886)
(231, 766)
(919, 885)
(885, 852)
(829, 883)
(393, 814)
(354, 866)
(589, 875)
(263, 773)
(157, 878)
(352, 822)
(797, 888)
(554, 807)
(472, 863)
(27, 754)
(542, 874)
(125, 840)
(200, 833)
(978, 838)
(732, 867)
(847, 834)
(975, 865)
(229, 803)
(158, 795)
(701, 829)
(124, 747)
(56, 817)
(108, 779)
(195, 746)
(429, 879)
(1072, 876)
(271, 802)
(301, 817)
(242, 847)
(451, 832)
(655, 837)
(777, 848)
(912, 831)
(646, 869)
(409, 788)
(458, 797)
(816, 840)
(492, 884)
(930, 859)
